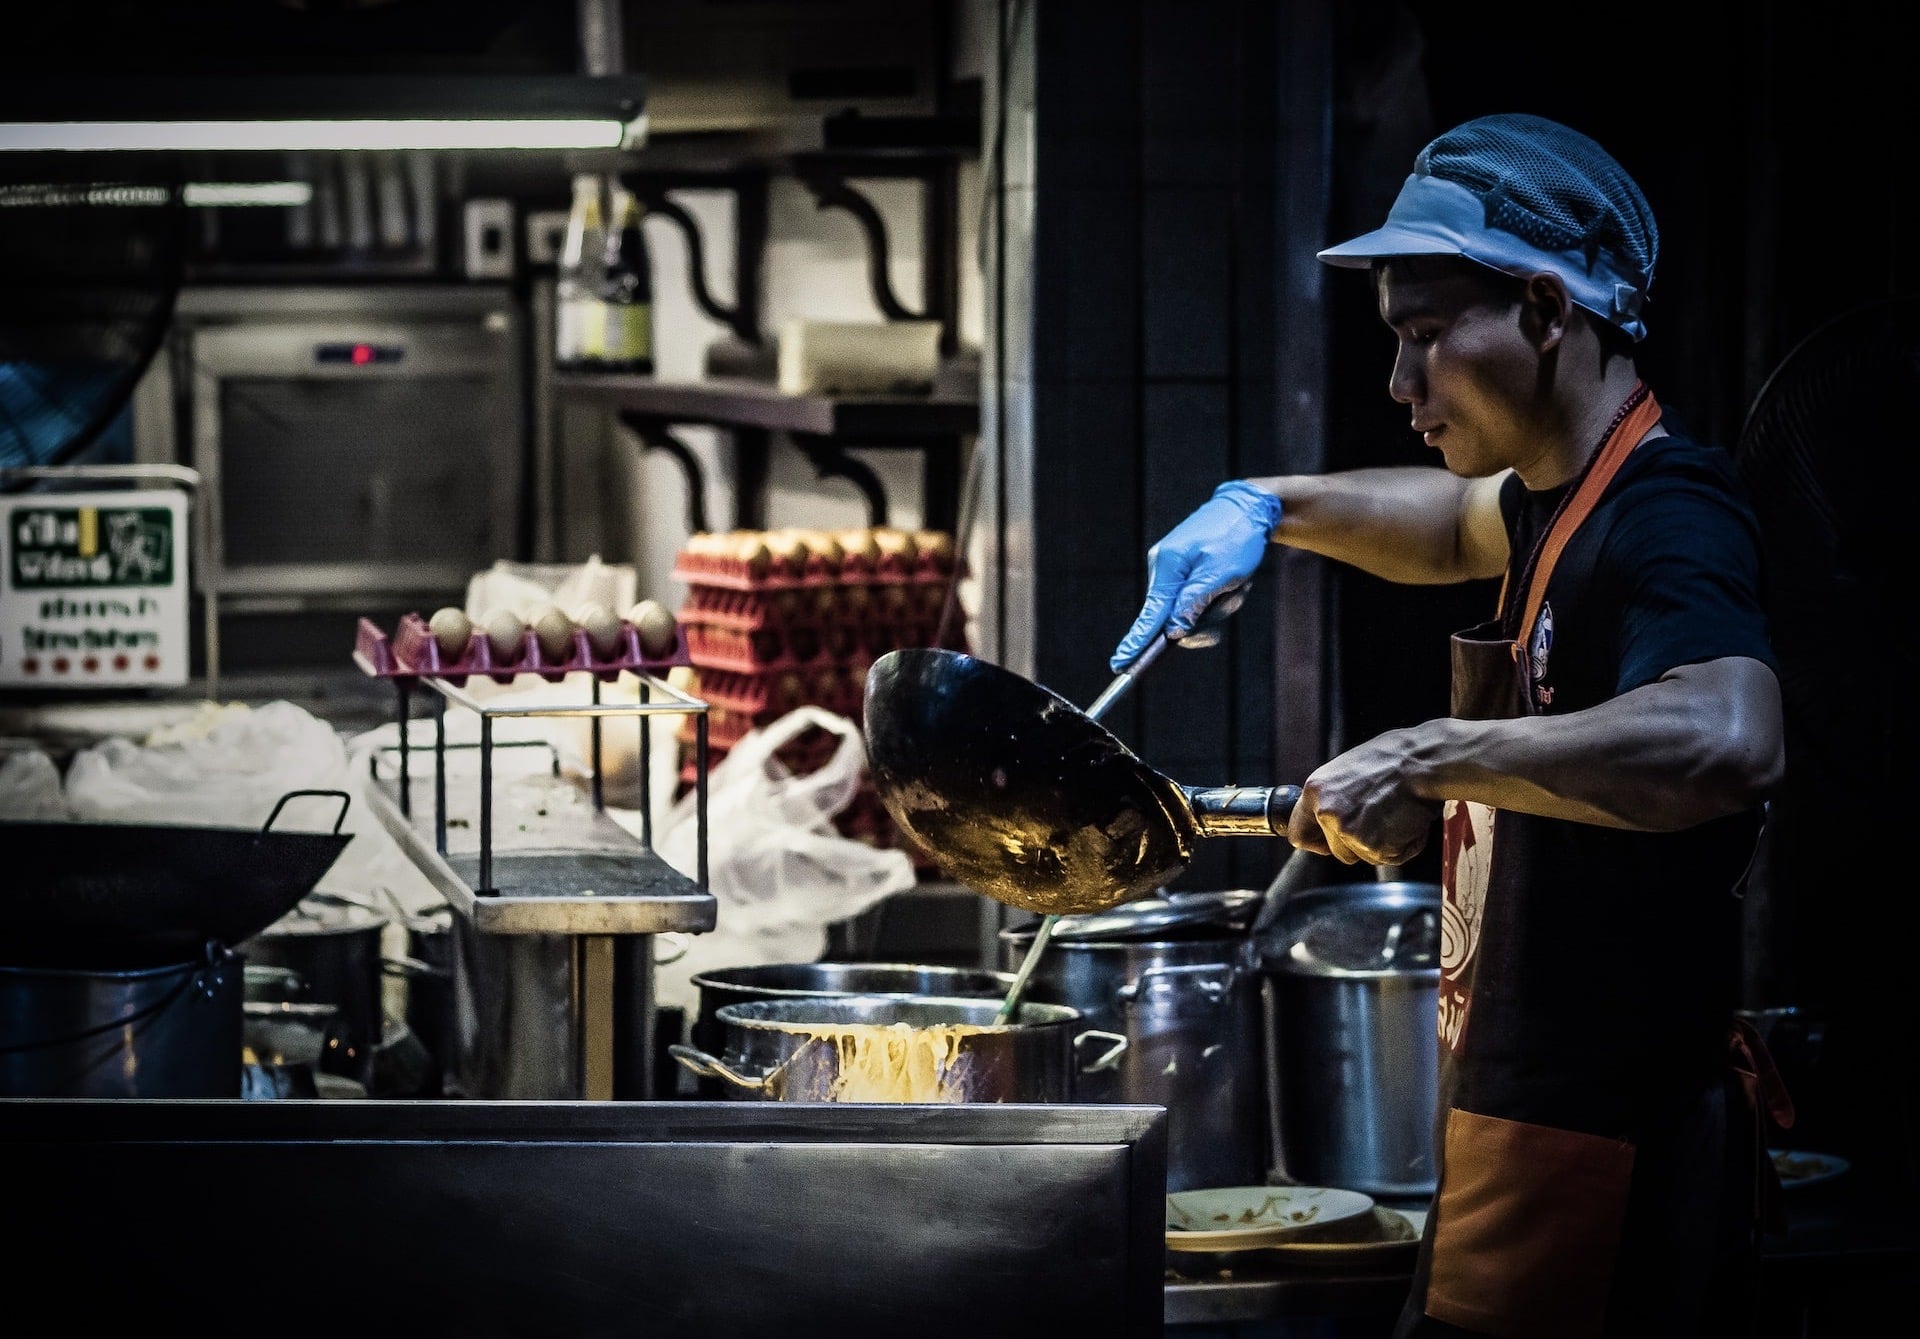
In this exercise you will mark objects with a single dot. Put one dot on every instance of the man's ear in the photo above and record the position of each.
(1545, 310)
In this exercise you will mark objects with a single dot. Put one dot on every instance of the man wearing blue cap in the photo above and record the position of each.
(1599, 785)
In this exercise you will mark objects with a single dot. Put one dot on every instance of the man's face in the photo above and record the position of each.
(1464, 364)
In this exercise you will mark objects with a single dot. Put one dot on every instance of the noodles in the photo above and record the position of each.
(898, 1062)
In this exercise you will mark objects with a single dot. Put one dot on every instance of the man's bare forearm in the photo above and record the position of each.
(1400, 523)
(1699, 743)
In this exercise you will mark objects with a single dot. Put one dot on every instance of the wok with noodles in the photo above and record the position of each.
(863, 1048)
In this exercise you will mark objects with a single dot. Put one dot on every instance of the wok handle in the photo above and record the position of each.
(339, 795)
(1242, 811)
(709, 1068)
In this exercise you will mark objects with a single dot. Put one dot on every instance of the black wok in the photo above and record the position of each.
(1020, 795)
(126, 895)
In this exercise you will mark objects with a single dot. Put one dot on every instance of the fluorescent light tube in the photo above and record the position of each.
(209, 194)
(165, 136)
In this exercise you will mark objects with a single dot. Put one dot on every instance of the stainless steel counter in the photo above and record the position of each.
(677, 1218)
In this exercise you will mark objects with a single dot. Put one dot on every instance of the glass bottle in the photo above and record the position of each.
(579, 328)
(626, 290)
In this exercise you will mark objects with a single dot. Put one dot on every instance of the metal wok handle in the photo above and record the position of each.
(339, 795)
(1109, 1058)
(709, 1068)
(1242, 811)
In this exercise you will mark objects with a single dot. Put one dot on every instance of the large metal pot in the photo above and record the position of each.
(168, 1031)
(836, 980)
(333, 943)
(791, 1050)
(1350, 995)
(1183, 986)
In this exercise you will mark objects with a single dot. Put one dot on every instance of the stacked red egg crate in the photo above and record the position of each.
(781, 619)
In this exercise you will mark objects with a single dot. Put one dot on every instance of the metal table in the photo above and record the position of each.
(555, 904)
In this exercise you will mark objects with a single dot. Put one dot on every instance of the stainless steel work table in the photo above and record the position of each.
(555, 904)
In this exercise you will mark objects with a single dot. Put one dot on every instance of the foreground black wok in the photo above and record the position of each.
(1018, 794)
(126, 895)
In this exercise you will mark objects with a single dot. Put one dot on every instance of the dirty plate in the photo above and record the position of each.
(1800, 1168)
(1237, 1218)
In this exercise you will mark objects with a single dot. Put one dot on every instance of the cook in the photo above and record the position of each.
(1599, 787)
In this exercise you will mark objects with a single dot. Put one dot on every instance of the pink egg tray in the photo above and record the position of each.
(701, 569)
(411, 651)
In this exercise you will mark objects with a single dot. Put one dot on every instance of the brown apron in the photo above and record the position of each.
(1524, 1232)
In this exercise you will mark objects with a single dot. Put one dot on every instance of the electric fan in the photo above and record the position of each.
(89, 270)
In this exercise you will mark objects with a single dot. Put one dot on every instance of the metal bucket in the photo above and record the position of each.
(170, 1031)
(791, 1050)
(1351, 1002)
(1187, 999)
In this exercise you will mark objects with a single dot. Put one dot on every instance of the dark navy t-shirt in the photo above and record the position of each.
(1665, 572)
(1633, 937)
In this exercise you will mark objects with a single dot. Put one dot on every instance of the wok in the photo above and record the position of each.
(1020, 795)
(126, 895)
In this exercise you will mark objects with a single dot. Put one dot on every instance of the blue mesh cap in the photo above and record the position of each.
(1524, 195)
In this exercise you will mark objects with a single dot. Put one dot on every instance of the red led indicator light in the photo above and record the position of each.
(362, 354)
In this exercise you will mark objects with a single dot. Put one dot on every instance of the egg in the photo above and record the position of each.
(504, 634)
(788, 552)
(451, 629)
(936, 545)
(602, 629)
(859, 547)
(554, 631)
(824, 548)
(752, 552)
(896, 544)
(656, 625)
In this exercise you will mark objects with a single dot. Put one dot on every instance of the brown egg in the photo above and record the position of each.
(935, 544)
(895, 544)
(752, 552)
(656, 625)
(858, 547)
(602, 629)
(504, 634)
(824, 548)
(451, 629)
(787, 551)
(554, 630)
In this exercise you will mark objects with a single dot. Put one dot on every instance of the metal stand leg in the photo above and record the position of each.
(646, 769)
(599, 787)
(405, 689)
(633, 1018)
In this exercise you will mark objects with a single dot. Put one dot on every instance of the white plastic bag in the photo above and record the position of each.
(229, 767)
(777, 866)
(30, 787)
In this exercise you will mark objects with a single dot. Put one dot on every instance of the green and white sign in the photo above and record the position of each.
(93, 589)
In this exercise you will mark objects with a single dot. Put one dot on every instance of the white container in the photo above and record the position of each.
(858, 357)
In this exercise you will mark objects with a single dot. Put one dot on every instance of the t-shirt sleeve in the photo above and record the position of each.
(1683, 562)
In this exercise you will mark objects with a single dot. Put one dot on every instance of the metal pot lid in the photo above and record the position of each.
(1229, 912)
(322, 913)
(1360, 929)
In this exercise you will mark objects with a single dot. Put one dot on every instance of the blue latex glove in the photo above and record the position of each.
(1213, 551)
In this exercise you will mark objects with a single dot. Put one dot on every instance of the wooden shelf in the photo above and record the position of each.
(752, 404)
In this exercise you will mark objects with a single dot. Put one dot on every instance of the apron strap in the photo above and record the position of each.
(1632, 421)
(1769, 1107)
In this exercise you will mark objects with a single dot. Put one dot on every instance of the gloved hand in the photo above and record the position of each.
(1214, 550)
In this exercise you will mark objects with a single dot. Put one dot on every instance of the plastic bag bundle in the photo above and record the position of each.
(30, 788)
(779, 869)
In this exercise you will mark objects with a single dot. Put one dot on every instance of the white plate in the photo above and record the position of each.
(1232, 1218)
(1797, 1167)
